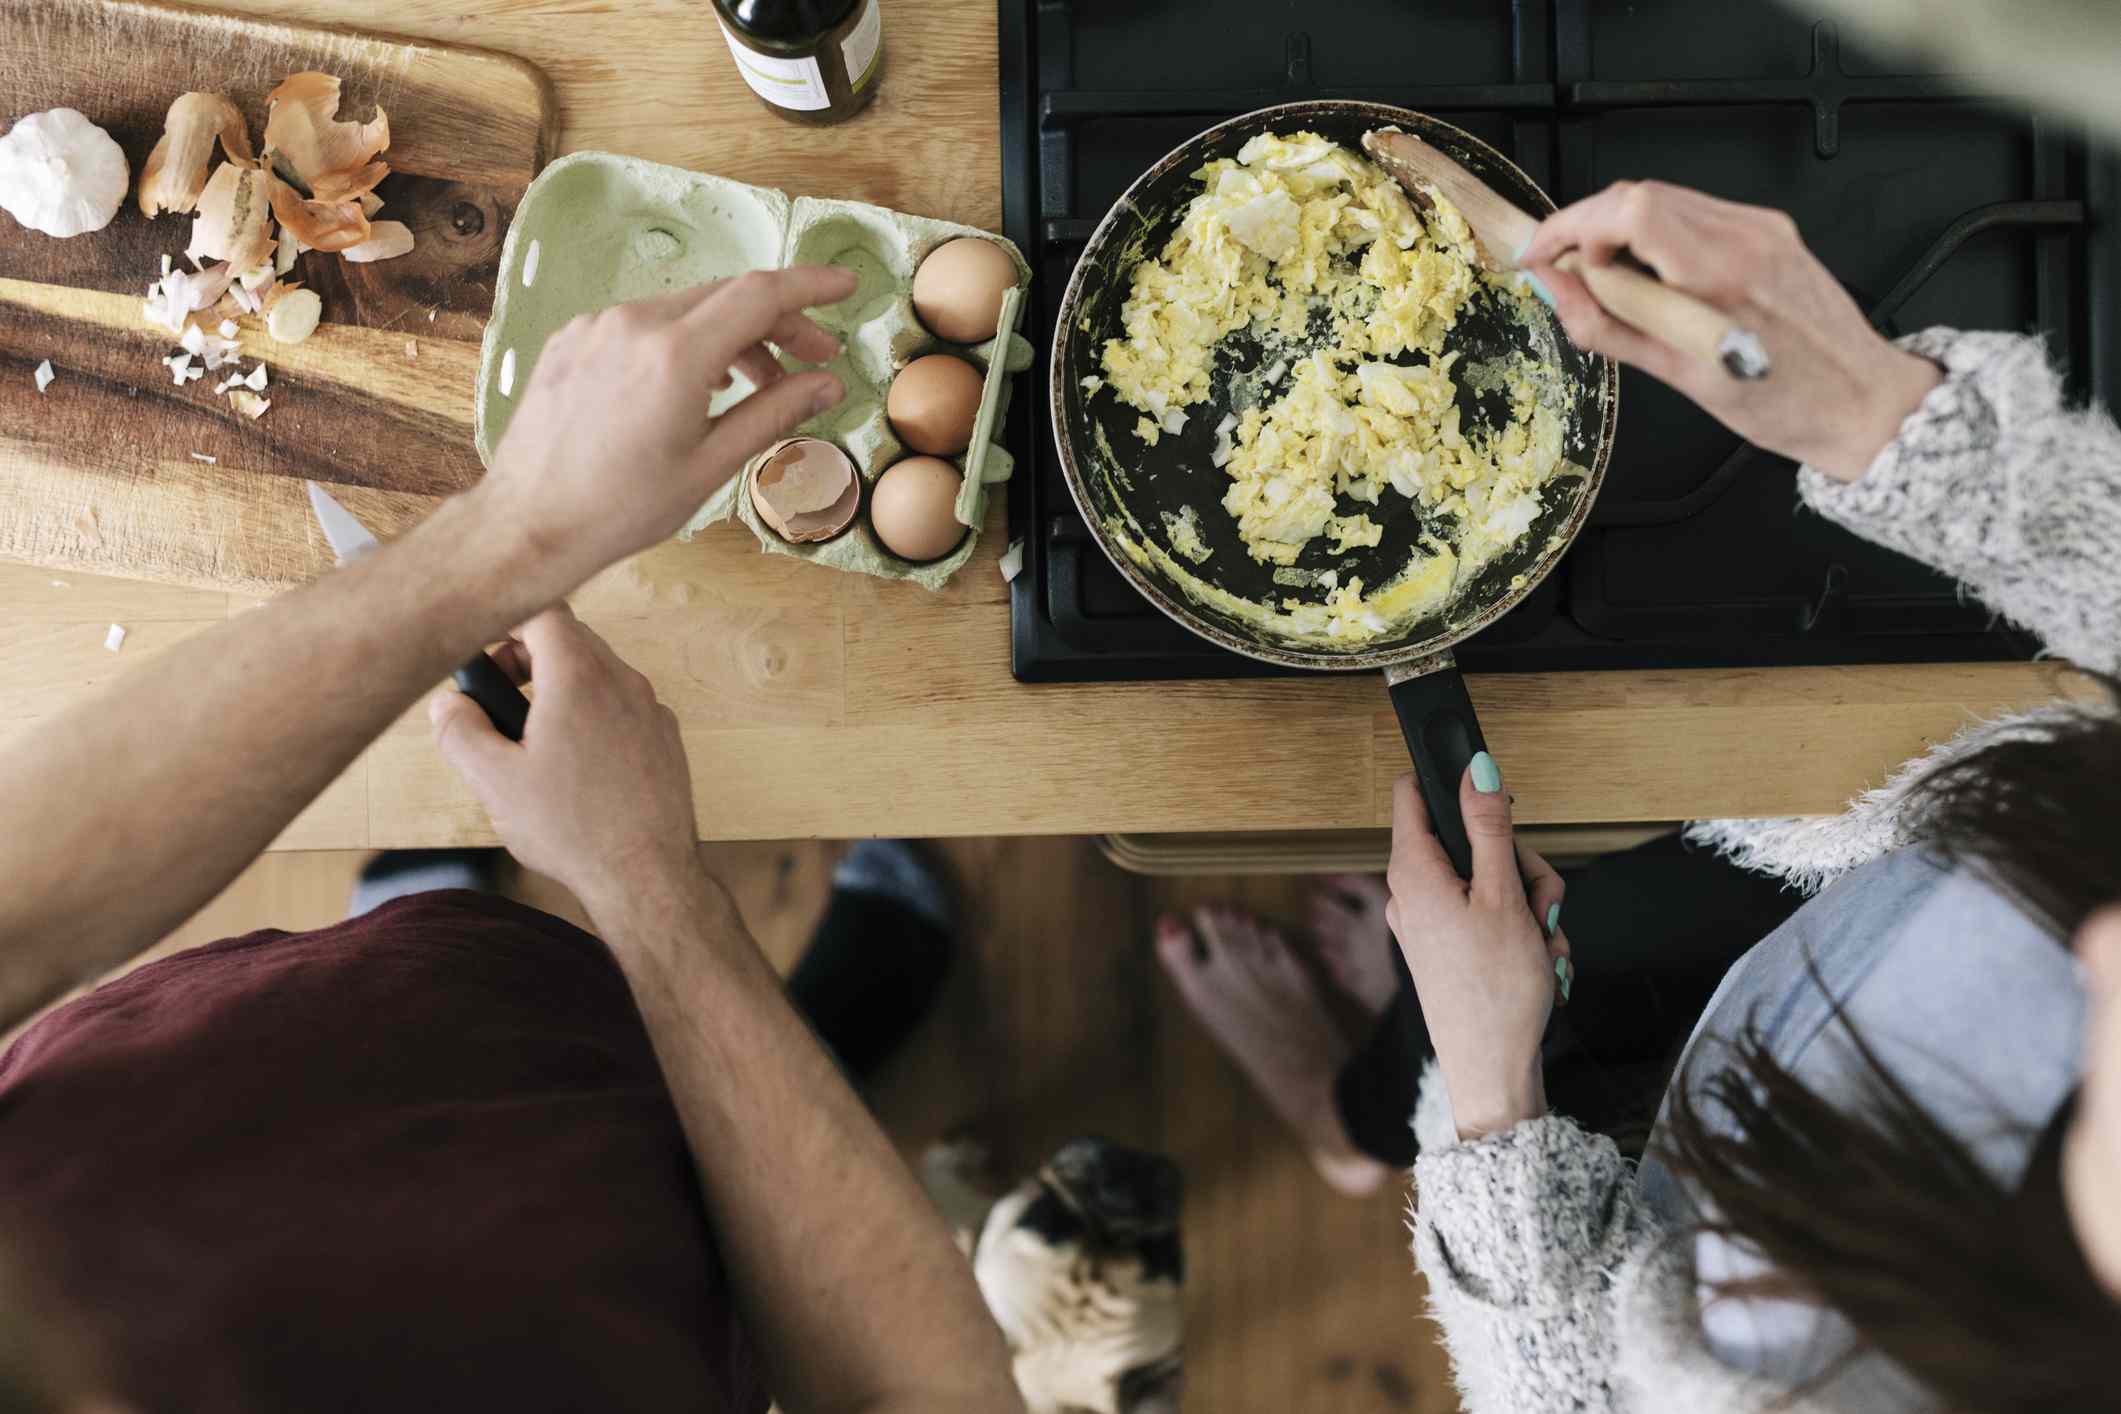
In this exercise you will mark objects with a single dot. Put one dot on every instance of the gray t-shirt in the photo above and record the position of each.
(1970, 1004)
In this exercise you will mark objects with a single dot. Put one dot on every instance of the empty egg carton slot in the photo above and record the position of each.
(859, 246)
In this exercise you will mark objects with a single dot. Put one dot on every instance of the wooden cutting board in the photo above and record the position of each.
(104, 471)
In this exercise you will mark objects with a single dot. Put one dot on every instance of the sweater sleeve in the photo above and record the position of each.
(1993, 481)
(1519, 1235)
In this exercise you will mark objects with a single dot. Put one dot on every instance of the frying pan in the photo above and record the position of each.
(1123, 486)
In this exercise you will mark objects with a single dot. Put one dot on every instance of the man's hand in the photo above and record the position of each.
(1483, 956)
(1839, 391)
(611, 448)
(597, 794)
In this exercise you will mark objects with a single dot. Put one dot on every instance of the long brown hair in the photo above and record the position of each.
(1879, 1212)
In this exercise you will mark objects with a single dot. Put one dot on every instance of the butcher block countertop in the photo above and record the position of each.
(817, 703)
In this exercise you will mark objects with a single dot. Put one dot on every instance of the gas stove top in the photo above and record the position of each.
(1932, 206)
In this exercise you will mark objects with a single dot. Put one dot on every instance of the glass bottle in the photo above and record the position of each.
(810, 61)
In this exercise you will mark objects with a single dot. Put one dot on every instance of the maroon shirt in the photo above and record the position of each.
(421, 1160)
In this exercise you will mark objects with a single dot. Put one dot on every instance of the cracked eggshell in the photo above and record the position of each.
(804, 489)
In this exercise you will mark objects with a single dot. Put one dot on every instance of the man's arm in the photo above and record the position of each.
(853, 1287)
(847, 1279)
(128, 813)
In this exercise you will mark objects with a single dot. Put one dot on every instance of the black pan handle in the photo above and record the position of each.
(498, 697)
(1443, 734)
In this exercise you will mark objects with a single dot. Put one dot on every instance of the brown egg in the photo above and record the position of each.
(913, 508)
(933, 403)
(805, 489)
(958, 290)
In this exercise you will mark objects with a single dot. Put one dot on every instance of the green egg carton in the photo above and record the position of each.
(607, 229)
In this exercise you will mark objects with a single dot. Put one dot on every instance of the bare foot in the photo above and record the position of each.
(1347, 920)
(1256, 1000)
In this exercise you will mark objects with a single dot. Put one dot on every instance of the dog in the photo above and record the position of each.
(1081, 1266)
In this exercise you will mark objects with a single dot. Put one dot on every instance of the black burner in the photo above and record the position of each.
(1932, 205)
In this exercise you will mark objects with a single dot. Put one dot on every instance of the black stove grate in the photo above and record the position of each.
(1933, 204)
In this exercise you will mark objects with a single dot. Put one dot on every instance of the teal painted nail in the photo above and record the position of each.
(1517, 255)
(1564, 975)
(1538, 287)
(1487, 776)
(1553, 918)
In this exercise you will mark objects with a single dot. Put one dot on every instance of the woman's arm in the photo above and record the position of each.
(1522, 1217)
(1952, 448)
(1519, 1235)
(1994, 481)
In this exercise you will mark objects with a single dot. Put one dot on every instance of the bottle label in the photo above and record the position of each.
(785, 83)
(862, 45)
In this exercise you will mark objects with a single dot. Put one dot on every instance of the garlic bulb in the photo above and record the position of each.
(61, 174)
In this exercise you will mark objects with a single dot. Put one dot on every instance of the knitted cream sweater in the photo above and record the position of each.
(1548, 1274)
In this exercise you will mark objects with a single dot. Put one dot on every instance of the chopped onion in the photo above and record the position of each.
(44, 375)
(1012, 562)
(203, 457)
(115, 639)
(294, 316)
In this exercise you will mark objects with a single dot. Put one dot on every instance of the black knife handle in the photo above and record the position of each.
(498, 697)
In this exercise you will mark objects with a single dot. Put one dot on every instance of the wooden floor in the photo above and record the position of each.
(1059, 1023)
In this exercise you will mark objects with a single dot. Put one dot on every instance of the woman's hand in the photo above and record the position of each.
(1838, 392)
(1487, 956)
(612, 450)
(2091, 1151)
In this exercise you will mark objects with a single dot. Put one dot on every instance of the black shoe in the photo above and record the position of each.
(877, 962)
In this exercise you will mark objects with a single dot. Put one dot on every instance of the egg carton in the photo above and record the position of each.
(608, 229)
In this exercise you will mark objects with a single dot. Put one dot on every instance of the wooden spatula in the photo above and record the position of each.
(1630, 295)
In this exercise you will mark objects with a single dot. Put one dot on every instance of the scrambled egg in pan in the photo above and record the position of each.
(1319, 257)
